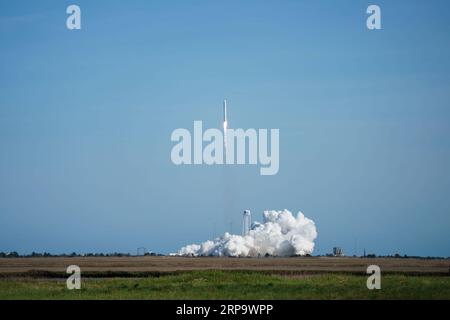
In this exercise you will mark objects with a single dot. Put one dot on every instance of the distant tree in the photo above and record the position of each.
(36, 254)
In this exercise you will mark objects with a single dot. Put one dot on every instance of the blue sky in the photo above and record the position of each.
(86, 118)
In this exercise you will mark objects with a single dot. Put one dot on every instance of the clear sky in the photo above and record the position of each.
(86, 118)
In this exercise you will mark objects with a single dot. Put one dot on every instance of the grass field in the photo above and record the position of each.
(230, 285)
(223, 278)
(168, 264)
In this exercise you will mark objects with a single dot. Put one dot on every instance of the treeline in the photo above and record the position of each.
(14, 254)
(396, 256)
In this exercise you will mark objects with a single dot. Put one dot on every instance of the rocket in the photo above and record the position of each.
(225, 112)
(225, 124)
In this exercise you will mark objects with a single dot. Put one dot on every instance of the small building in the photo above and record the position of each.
(338, 252)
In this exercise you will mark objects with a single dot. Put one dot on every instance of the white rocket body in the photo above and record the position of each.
(225, 122)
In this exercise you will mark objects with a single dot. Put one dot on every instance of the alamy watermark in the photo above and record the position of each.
(374, 20)
(228, 147)
(374, 280)
(74, 280)
(73, 21)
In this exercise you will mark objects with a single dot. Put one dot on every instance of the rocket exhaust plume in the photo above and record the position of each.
(280, 234)
(225, 124)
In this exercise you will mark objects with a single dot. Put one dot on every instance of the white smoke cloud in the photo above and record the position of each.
(281, 234)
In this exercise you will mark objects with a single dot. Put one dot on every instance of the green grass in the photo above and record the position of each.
(230, 285)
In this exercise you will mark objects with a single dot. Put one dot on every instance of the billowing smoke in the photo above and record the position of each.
(281, 234)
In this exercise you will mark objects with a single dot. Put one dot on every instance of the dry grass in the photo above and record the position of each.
(294, 265)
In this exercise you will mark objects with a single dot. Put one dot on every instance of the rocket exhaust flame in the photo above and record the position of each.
(225, 124)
